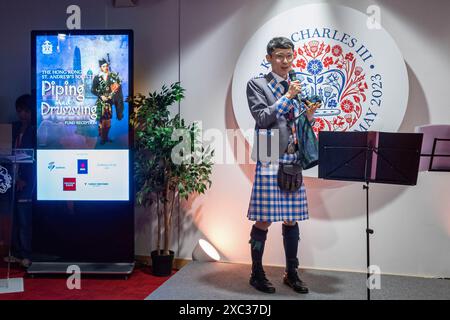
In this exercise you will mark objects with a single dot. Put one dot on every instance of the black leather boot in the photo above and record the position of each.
(258, 279)
(292, 279)
(291, 237)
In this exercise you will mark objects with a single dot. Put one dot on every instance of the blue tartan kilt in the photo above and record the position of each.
(269, 203)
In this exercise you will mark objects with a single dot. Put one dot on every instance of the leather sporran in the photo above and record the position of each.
(290, 177)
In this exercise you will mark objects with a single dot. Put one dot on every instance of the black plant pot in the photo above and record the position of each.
(162, 264)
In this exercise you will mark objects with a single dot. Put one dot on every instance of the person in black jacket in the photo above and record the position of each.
(23, 136)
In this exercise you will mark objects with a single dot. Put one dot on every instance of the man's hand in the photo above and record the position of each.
(295, 88)
(115, 87)
(311, 109)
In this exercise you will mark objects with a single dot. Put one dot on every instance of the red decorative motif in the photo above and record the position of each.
(327, 62)
(349, 56)
(337, 50)
(347, 106)
(319, 125)
(301, 64)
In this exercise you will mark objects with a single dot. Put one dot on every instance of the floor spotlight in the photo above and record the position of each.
(205, 252)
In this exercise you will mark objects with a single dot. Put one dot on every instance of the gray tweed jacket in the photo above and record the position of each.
(261, 101)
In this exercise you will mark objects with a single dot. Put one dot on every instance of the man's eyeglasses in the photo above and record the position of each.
(281, 58)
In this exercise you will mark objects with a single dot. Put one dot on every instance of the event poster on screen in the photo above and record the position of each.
(82, 85)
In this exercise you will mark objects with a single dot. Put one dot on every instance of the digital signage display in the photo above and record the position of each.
(82, 83)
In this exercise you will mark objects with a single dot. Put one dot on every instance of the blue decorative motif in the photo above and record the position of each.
(328, 84)
(314, 67)
(332, 103)
(328, 90)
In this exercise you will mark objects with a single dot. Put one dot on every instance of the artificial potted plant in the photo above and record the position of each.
(167, 167)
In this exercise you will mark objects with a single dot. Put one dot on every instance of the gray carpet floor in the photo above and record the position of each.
(227, 281)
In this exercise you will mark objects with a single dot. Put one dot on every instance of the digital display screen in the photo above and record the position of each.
(82, 85)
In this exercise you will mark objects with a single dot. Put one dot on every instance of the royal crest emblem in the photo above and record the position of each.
(47, 47)
(358, 73)
(334, 75)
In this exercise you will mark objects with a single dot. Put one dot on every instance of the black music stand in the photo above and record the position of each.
(378, 157)
(433, 155)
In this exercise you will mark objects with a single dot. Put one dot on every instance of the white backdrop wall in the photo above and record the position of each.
(412, 224)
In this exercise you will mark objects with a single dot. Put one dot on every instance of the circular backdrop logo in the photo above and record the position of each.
(359, 72)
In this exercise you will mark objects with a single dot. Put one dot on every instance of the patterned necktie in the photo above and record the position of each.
(291, 123)
(291, 114)
(285, 85)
